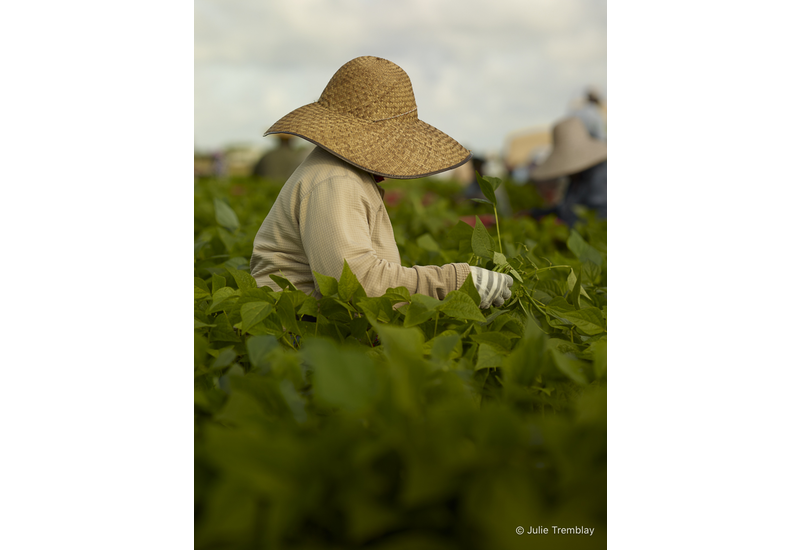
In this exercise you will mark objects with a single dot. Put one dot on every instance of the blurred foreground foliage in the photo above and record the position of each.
(400, 421)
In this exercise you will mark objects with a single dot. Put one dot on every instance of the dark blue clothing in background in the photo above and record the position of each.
(587, 188)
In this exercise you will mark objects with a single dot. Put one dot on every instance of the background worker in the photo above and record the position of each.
(582, 160)
(591, 115)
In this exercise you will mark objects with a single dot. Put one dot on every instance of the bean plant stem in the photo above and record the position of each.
(497, 223)
(285, 339)
(550, 267)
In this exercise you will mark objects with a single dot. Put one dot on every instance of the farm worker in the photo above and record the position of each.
(331, 209)
(582, 160)
(592, 116)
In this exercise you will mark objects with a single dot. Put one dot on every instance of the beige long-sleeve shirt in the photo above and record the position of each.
(330, 211)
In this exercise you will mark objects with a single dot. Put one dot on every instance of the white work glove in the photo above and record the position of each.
(494, 288)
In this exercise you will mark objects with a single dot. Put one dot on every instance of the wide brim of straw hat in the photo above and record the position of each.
(573, 151)
(367, 116)
(395, 148)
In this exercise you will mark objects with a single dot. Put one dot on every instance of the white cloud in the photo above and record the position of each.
(479, 70)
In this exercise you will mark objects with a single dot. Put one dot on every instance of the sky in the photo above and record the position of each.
(480, 70)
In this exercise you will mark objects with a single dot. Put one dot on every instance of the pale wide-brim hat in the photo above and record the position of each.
(574, 150)
(367, 116)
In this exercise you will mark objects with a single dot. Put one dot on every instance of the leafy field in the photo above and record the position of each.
(401, 421)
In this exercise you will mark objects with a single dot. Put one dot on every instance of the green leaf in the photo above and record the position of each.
(200, 347)
(460, 305)
(348, 284)
(573, 368)
(445, 346)
(243, 279)
(427, 242)
(200, 289)
(328, 286)
(564, 346)
(227, 238)
(297, 297)
(359, 327)
(499, 259)
(343, 378)
(223, 331)
(217, 282)
(592, 272)
(200, 316)
(467, 361)
(308, 307)
(258, 347)
(552, 287)
(334, 309)
(574, 283)
(583, 250)
(379, 307)
(253, 313)
(483, 201)
(494, 182)
(460, 232)
(261, 294)
(599, 352)
(225, 215)
(482, 244)
(323, 327)
(201, 324)
(488, 357)
(253, 400)
(238, 262)
(527, 360)
(224, 359)
(294, 401)
(398, 294)
(543, 297)
(198, 246)
(511, 323)
(282, 282)
(494, 315)
(221, 297)
(469, 289)
(560, 309)
(487, 187)
(588, 320)
(286, 314)
(429, 303)
(403, 344)
(496, 339)
(422, 308)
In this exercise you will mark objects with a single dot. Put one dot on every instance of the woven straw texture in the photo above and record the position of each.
(367, 116)
(574, 150)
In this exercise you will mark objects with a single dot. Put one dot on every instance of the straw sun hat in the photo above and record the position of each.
(367, 116)
(574, 150)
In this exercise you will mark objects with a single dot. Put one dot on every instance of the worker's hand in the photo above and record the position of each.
(494, 288)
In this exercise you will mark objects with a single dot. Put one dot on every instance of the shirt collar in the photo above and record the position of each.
(377, 180)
